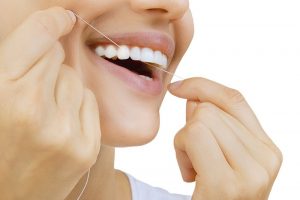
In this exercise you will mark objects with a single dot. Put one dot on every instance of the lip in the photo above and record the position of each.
(155, 41)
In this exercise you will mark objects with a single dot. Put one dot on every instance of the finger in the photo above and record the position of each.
(190, 108)
(32, 39)
(187, 170)
(229, 100)
(268, 156)
(196, 142)
(234, 151)
(90, 122)
(45, 72)
(69, 91)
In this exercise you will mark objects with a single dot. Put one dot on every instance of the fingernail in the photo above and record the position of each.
(72, 15)
(175, 85)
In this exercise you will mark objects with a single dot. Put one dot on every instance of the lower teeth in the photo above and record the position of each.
(146, 77)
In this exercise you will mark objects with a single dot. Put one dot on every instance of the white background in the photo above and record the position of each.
(253, 46)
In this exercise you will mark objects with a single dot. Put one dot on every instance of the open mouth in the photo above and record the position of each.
(137, 59)
(141, 61)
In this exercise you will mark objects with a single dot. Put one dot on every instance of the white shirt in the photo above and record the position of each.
(143, 191)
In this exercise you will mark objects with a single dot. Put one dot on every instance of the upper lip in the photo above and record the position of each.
(153, 40)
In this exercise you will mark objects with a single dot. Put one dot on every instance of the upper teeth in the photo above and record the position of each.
(135, 53)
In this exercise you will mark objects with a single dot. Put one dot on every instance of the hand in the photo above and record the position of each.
(222, 146)
(49, 123)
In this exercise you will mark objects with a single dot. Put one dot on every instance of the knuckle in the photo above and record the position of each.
(69, 73)
(69, 77)
(85, 158)
(177, 139)
(279, 156)
(90, 99)
(206, 106)
(59, 51)
(275, 161)
(91, 153)
(194, 127)
(93, 156)
(258, 184)
(70, 89)
(194, 131)
(234, 95)
(206, 111)
(90, 95)
(72, 79)
(68, 129)
(83, 154)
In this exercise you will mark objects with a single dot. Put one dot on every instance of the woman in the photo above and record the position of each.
(68, 97)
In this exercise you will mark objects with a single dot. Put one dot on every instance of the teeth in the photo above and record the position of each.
(146, 77)
(135, 53)
(147, 55)
(164, 60)
(124, 52)
(100, 51)
(110, 51)
(158, 58)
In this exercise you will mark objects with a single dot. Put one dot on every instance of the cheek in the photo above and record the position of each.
(184, 32)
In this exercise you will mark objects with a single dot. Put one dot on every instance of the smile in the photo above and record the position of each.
(136, 59)
(129, 57)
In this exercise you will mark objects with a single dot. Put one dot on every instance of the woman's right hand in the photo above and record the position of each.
(49, 123)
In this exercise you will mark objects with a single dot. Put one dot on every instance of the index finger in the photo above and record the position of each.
(227, 99)
(30, 41)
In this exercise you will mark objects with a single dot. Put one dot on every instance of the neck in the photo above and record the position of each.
(105, 182)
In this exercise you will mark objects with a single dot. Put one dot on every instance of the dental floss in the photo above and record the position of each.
(86, 182)
(95, 29)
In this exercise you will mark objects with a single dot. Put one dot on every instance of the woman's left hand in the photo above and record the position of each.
(222, 146)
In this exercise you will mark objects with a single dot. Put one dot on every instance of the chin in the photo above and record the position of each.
(123, 133)
(134, 128)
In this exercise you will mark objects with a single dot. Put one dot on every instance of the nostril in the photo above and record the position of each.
(157, 10)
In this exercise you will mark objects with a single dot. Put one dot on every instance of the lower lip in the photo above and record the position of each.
(152, 87)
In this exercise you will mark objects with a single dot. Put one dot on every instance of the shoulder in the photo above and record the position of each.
(143, 191)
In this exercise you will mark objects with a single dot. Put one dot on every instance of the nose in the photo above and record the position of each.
(169, 9)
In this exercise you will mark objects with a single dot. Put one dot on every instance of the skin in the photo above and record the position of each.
(52, 132)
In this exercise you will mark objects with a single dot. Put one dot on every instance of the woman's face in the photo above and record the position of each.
(128, 103)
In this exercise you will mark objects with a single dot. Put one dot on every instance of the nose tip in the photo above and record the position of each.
(169, 9)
